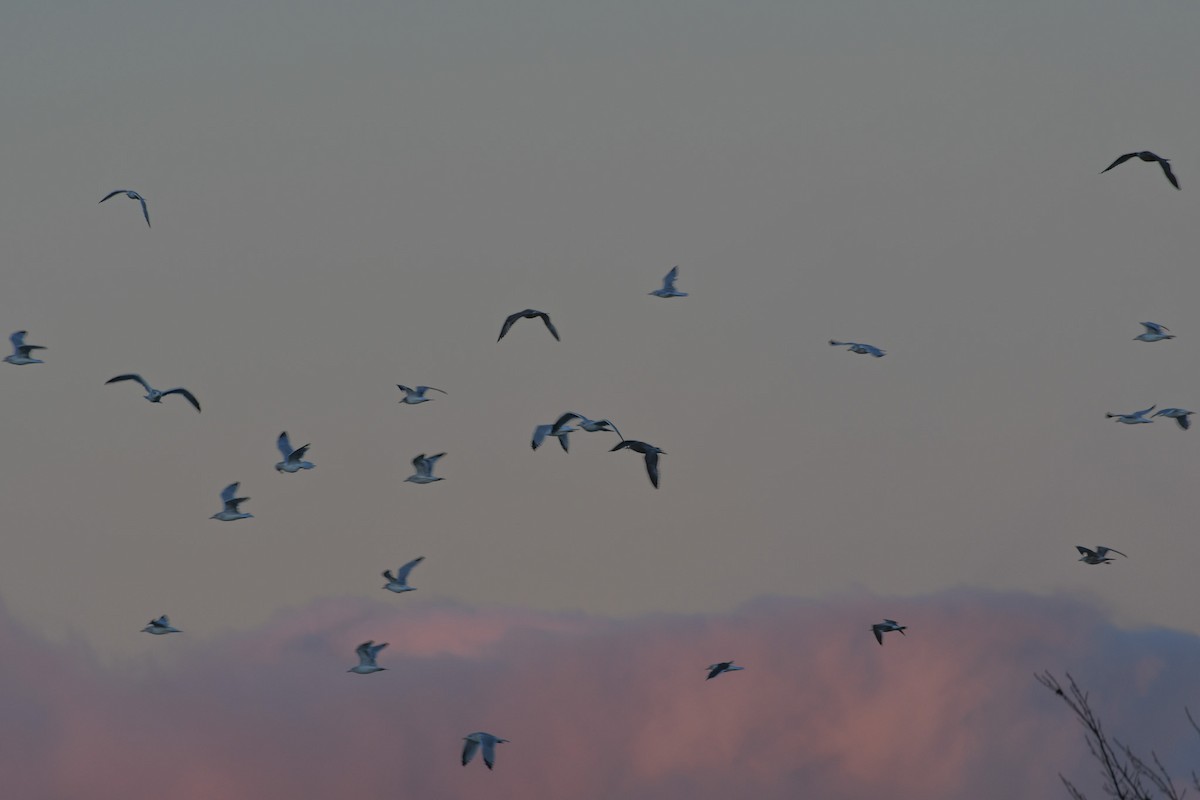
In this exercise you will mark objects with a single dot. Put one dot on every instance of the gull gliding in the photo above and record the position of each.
(132, 195)
(1146, 155)
(529, 313)
(154, 395)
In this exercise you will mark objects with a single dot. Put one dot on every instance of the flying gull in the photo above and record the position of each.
(293, 460)
(230, 512)
(160, 626)
(585, 424)
(559, 430)
(1180, 415)
(398, 583)
(668, 288)
(132, 195)
(472, 742)
(1097, 556)
(880, 628)
(529, 313)
(154, 395)
(1134, 418)
(721, 666)
(1146, 155)
(424, 469)
(20, 354)
(1154, 333)
(367, 651)
(416, 396)
(648, 450)
(862, 349)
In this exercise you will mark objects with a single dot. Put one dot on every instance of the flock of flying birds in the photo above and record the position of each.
(293, 458)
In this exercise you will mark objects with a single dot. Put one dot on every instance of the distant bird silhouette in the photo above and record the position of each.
(132, 195)
(862, 349)
(423, 465)
(416, 396)
(160, 626)
(668, 288)
(528, 313)
(1180, 415)
(1146, 155)
(1097, 556)
(154, 395)
(1154, 333)
(230, 512)
(880, 628)
(474, 741)
(648, 450)
(367, 652)
(20, 354)
(1135, 417)
(398, 583)
(721, 666)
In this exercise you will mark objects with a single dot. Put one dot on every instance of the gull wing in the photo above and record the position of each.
(549, 325)
(1153, 327)
(716, 669)
(129, 377)
(563, 420)
(610, 424)
(564, 441)
(1100, 551)
(284, 445)
(387, 573)
(298, 454)
(1118, 162)
(1166, 167)
(652, 467)
(114, 194)
(489, 750)
(18, 340)
(1183, 421)
(191, 398)
(145, 211)
(423, 389)
(508, 323)
(421, 465)
(402, 573)
(621, 444)
(1083, 551)
(365, 657)
(669, 279)
(229, 491)
(374, 650)
(161, 622)
(878, 631)
(469, 747)
(1144, 411)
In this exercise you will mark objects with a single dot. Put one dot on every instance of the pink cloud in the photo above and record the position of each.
(597, 708)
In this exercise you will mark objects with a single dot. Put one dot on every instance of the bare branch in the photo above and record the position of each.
(1126, 775)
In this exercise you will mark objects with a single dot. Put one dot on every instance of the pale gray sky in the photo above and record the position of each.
(348, 198)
